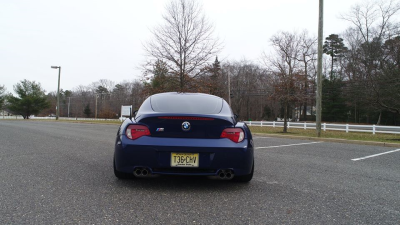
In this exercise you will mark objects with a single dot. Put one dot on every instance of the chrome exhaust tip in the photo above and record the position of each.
(137, 172)
(225, 174)
(145, 172)
(141, 172)
(228, 175)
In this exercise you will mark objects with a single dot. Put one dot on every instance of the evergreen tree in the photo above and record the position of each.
(102, 90)
(30, 101)
(87, 111)
(334, 47)
(161, 81)
(2, 96)
(334, 107)
(215, 77)
(118, 91)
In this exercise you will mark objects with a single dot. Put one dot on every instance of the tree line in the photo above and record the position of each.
(361, 71)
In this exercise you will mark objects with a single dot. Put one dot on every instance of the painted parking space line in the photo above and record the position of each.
(375, 155)
(260, 137)
(279, 146)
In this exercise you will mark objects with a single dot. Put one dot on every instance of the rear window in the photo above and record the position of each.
(186, 103)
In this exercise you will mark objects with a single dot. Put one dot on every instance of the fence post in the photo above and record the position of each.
(373, 129)
(347, 128)
(324, 126)
(288, 124)
(305, 126)
(250, 123)
(261, 123)
(273, 124)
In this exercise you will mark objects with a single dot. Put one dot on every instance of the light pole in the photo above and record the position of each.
(58, 90)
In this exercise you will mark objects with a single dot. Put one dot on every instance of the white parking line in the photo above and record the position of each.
(279, 146)
(370, 156)
(260, 137)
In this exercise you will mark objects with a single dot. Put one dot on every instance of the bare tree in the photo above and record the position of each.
(284, 65)
(246, 89)
(374, 25)
(184, 41)
(374, 19)
(307, 59)
(84, 96)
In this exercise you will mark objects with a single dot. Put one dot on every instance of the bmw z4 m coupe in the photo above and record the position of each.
(184, 134)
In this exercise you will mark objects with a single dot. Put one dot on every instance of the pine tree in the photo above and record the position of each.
(215, 77)
(335, 48)
(30, 101)
(87, 111)
(334, 108)
(2, 96)
(161, 81)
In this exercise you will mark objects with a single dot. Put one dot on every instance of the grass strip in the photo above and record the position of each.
(356, 136)
(92, 121)
(69, 121)
(385, 138)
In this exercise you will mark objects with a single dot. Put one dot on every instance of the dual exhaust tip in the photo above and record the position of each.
(226, 174)
(141, 172)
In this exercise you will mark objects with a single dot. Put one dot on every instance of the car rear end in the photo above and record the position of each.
(161, 142)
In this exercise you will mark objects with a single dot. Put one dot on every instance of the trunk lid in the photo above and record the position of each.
(185, 126)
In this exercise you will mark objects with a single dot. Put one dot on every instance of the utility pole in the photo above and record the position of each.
(229, 89)
(69, 102)
(95, 111)
(319, 68)
(58, 91)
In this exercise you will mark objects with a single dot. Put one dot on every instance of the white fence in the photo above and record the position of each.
(327, 126)
(53, 118)
(324, 126)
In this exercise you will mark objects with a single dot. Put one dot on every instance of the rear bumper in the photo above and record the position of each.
(155, 154)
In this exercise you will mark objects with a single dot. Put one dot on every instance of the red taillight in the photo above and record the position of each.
(136, 131)
(183, 118)
(234, 134)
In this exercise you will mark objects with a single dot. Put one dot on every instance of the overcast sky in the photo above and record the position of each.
(98, 39)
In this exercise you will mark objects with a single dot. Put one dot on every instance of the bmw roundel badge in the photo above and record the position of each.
(186, 126)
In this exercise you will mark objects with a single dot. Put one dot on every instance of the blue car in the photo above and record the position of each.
(184, 134)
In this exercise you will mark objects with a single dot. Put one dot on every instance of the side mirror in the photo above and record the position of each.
(134, 113)
(236, 116)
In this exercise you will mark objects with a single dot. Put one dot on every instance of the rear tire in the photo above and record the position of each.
(245, 178)
(121, 175)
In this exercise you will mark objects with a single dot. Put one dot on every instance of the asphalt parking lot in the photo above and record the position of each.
(57, 173)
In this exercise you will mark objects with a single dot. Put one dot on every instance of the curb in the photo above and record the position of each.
(373, 143)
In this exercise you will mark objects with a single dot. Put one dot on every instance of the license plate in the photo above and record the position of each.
(184, 159)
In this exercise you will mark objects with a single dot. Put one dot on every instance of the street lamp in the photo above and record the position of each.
(58, 91)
